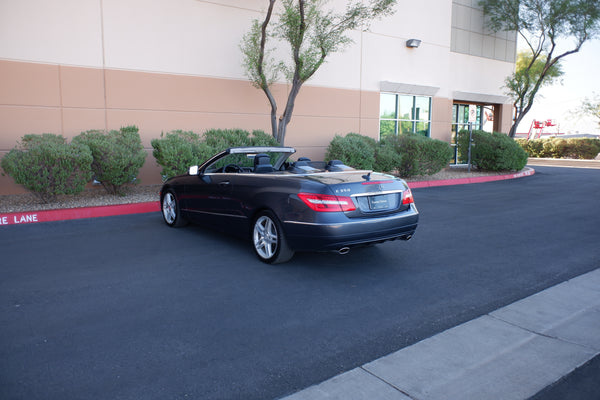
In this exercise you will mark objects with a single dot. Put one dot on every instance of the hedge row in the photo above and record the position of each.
(411, 155)
(48, 166)
(175, 151)
(491, 151)
(579, 148)
(407, 155)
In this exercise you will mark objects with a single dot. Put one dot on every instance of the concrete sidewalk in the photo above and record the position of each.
(563, 162)
(511, 353)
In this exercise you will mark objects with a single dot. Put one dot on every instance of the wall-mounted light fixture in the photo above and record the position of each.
(413, 43)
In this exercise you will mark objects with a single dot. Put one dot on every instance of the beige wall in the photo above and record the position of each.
(44, 98)
(506, 118)
(441, 119)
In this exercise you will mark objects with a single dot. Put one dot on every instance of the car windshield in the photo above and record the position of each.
(260, 160)
(247, 161)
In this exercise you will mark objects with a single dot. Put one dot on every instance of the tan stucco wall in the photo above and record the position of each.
(45, 98)
(441, 118)
(506, 118)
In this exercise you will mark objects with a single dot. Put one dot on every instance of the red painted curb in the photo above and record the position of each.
(153, 206)
(77, 213)
(477, 179)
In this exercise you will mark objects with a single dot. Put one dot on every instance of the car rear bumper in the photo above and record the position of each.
(347, 232)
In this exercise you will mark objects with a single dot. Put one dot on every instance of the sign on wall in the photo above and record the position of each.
(472, 113)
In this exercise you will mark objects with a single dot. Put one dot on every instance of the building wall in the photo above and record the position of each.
(470, 34)
(72, 65)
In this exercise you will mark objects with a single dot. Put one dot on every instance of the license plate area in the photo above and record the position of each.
(380, 202)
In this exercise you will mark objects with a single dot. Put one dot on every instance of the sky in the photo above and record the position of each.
(581, 79)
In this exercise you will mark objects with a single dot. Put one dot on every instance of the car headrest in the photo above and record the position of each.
(262, 163)
(262, 159)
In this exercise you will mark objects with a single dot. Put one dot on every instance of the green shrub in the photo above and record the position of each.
(260, 138)
(421, 155)
(387, 159)
(408, 155)
(221, 139)
(118, 156)
(534, 148)
(492, 151)
(583, 148)
(551, 149)
(176, 151)
(435, 155)
(353, 149)
(557, 147)
(48, 166)
(31, 140)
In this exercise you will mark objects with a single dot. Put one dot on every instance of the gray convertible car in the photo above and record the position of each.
(287, 205)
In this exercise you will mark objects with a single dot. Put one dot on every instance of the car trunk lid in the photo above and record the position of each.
(373, 194)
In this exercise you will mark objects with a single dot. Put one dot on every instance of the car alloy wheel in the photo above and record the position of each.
(269, 242)
(170, 210)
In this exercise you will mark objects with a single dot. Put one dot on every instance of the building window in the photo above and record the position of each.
(401, 114)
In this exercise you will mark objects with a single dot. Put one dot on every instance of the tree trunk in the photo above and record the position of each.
(286, 117)
(513, 131)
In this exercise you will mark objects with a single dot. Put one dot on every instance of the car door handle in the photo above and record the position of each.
(224, 184)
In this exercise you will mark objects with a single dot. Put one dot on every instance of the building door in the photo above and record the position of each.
(460, 121)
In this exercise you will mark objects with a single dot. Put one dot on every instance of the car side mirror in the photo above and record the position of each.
(193, 170)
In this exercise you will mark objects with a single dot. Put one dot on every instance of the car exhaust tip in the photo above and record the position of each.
(344, 250)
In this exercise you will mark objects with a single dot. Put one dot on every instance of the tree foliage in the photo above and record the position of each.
(591, 106)
(519, 84)
(551, 30)
(311, 33)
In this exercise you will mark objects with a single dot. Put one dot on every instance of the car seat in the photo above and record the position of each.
(262, 164)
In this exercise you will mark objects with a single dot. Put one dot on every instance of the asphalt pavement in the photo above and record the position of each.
(497, 291)
(511, 353)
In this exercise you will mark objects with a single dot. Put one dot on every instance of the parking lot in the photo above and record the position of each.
(127, 308)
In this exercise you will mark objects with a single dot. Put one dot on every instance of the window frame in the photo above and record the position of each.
(398, 120)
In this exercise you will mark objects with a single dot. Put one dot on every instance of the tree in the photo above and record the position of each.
(312, 34)
(551, 29)
(518, 85)
(591, 107)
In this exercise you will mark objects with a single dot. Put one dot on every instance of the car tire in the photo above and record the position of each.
(171, 213)
(268, 240)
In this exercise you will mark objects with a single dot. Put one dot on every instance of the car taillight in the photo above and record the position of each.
(407, 197)
(326, 202)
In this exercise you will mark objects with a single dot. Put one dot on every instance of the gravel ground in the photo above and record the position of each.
(96, 196)
(144, 193)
